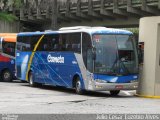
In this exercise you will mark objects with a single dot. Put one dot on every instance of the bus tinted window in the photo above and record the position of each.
(27, 43)
(49, 43)
(70, 42)
(64, 42)
(8, 48)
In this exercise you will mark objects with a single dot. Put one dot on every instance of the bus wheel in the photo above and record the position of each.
(6, 76)
(114, 92)
(30, 78)
(78, 87)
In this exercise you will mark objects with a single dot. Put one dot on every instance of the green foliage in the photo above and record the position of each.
(17, 3)
(4, 15)
(7, 17)
(134, 30)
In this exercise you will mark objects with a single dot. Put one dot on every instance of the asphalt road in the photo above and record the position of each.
(20, 98)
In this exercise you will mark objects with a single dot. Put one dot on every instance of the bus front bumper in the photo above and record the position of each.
(115, 86)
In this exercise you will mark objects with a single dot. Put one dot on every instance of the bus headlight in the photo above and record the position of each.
(100, 81)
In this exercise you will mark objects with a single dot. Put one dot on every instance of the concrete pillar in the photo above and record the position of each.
(149, 33)
(54, 22)
(12, 27)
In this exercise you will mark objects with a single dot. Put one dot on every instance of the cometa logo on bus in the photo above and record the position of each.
(55, 59)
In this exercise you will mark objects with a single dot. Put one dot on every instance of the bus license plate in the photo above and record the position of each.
(119, 86)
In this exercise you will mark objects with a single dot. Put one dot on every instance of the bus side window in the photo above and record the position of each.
(61, 42)
(23, 43)
(53, 43)
(68, 47)
(76, 47)
(19, 43)
(23, 48)
(87, 51)
(45, 47)
(49, 43)
(56, 46)
(9, 48)
(74, 41)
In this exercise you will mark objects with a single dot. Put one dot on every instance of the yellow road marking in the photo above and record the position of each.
(148, 96)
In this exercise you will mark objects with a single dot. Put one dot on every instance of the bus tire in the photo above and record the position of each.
(30, 80)
(78, 86)
(114, 92)
(6, 76)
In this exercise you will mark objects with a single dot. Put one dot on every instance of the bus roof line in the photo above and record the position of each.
(9, 37)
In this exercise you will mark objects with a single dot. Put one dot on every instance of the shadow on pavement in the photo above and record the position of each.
(72, 91)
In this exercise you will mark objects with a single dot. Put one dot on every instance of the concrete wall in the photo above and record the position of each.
(119, 22)
(157, 75)
(12, 27)
(150, 74)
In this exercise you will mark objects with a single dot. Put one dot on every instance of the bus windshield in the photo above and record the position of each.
(115, 54)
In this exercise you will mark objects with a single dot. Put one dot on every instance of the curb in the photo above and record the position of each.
(148, 96)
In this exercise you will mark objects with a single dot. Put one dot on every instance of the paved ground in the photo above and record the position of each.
(18, 98)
